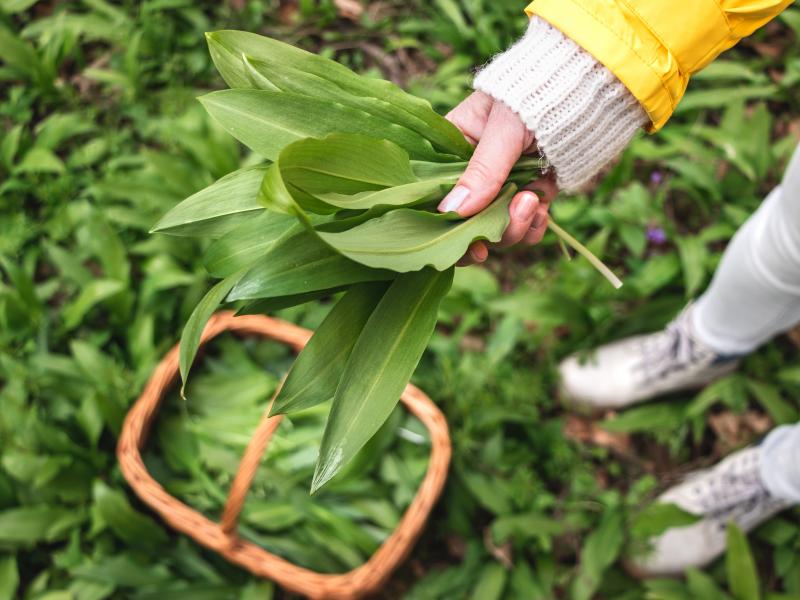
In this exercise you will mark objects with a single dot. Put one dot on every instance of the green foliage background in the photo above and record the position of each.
(101, 135)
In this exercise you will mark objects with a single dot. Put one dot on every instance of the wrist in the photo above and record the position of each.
(581, 115)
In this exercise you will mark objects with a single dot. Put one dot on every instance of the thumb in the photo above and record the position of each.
(504, 139)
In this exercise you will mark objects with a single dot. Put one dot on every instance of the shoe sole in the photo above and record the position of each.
(638, 573)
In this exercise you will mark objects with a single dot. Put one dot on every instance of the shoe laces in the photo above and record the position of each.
(733, 483)
(748, 512)
(670, 351)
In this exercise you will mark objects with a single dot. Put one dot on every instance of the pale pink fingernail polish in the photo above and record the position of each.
(453, 201)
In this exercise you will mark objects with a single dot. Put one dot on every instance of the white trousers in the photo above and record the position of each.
(755, 295)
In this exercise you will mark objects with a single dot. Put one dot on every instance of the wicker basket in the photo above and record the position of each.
(222, 537)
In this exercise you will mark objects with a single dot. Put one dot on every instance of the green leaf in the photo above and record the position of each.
(494, 499)
(408, 240)
(525, 526)
(656, 273)
(345, 163)
(598, 553)
(792, 18)
(246, 243)
(22, 59)
(39, 523)
(339, 164)
(10, 145)
(9, 577)
(491, 583)
(278, 76)
(289, 68)
(703, 586)
(124, 570)
(651, 417)
(59, 127)
(730, 70)
(717, 97)
(657, 517)
(731, 390)
(266, 306)
(301, 263)
(218, 208)
(266, 122)
(741, 568)
(193, 330)
(400, 195)
(382, 361)
(94, 293)
(781, 411)
(319, 366)
(129, 525)
(524, 584)
(40, 160)
(693, 255)
(13, 6)
(353, 172)
(667, 589)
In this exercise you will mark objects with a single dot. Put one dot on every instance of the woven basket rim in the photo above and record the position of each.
(222, 537)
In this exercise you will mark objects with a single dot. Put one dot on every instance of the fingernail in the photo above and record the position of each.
(479, 254)
(454, 199)
(523, 210)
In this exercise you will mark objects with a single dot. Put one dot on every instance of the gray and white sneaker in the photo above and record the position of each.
(639, 368)
(729, 491)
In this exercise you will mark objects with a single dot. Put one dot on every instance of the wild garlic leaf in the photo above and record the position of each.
(266, 306)
(298, 264)
(408, 240)
(279, 76)
(227, 48)
(266, 122)
(192, 331)
(246, 243)
(407, 194)
(345, 163)
(342, 164)
(318, 368)
(217, 209)
(276, 197)
(380, 365)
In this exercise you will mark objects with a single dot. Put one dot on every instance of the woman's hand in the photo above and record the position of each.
(501, 138)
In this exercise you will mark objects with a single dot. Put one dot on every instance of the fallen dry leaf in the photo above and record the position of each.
(586, 431)
(768, 50)
(502, 553)
(794, 334)
(349, 9)
(472, 343)
(736, 430)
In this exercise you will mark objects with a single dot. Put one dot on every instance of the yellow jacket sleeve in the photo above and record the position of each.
(654, 46)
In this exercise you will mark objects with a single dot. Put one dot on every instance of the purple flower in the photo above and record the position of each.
(656, 177)
(656, 235)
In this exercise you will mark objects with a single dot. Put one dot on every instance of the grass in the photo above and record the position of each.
(100, 135)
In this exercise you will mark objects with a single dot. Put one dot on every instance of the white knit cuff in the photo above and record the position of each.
(581, 115)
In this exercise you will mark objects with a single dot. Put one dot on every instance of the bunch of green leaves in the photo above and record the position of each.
(345, 202)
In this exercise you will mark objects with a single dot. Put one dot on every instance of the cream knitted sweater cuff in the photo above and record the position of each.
(581, 115)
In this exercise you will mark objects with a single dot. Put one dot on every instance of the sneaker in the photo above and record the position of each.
(730, 491)
(642, 367)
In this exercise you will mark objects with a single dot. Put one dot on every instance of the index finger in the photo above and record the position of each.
(504, 139)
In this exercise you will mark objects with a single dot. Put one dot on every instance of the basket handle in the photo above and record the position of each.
(247, 469)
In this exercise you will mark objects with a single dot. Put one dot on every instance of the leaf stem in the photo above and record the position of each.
(586, 253)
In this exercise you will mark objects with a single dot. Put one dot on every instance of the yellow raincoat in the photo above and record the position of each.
(654, 46)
